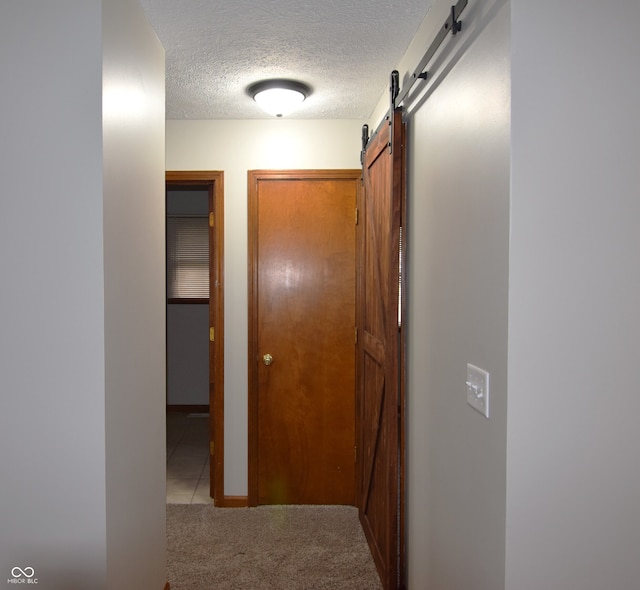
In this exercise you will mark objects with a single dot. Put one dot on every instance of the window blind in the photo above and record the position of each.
(187, 257)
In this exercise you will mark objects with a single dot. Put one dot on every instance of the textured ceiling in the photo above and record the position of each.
(344, 49)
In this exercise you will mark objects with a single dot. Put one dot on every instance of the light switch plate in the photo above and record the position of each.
(478, 389)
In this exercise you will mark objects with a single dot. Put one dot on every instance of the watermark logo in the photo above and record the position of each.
(23, 576)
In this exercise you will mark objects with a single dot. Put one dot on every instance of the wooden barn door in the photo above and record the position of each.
(379, 401)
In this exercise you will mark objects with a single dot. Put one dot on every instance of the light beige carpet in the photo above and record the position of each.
(267, 548)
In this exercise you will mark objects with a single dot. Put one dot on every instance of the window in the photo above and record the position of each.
(187, 257)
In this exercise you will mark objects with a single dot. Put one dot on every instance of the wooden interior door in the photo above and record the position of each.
(302, 315)
(379, 399)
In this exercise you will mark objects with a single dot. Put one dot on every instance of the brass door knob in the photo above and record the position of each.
(267, 359)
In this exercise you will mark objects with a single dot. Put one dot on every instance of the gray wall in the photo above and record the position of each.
(81, 432)
(187, 354)
(573, 508)
(523, 258)
(457, 269)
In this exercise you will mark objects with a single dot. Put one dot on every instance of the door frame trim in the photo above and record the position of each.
(253, 176)
(215, 181)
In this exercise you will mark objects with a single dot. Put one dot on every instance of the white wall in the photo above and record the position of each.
(73, 501)
(236, 147)
(457, 288)
(134, 298)
(52, 465)
(573, 510)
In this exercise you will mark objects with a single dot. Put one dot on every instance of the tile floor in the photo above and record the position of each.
(187, 458)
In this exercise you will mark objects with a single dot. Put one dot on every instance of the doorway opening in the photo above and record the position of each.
(195, 336)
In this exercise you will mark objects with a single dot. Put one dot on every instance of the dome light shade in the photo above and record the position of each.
(279, 97)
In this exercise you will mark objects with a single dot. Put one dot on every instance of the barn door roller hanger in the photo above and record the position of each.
(452, 25)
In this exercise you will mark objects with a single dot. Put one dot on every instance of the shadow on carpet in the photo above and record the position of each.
(267, 548)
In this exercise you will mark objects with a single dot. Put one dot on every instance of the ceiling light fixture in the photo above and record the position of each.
(279, 97)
